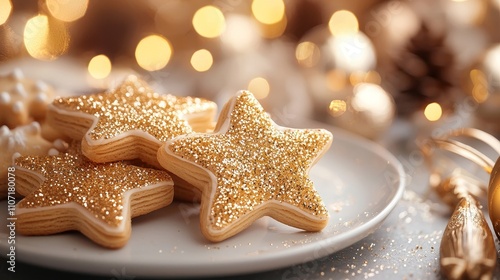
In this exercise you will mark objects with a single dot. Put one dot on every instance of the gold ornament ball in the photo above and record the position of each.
(483, 86)
(365, 109)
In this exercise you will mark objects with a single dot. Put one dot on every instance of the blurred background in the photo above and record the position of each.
(360, 65)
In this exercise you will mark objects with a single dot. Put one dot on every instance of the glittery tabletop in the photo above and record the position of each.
(255, 162)
(135, 106)
(99, 188)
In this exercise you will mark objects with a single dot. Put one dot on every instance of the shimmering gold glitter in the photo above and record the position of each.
(135, 106)
(255, 162)
(99, 188)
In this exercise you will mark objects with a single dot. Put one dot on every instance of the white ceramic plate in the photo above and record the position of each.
(359, 181)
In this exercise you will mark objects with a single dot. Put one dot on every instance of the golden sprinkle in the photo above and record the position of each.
(254, 163)
(99, 188)
(135, 106)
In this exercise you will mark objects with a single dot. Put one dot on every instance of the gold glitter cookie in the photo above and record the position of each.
(99, 200)
(250, 167)
(130, 122)
(23, 140)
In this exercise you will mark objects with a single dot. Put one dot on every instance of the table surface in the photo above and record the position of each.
(406, 246)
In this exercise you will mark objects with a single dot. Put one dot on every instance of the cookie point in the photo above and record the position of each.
(244, 93)
(59, 100)
(326, 133)
(131, 78)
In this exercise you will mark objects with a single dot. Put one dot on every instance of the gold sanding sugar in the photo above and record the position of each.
(255, 162)
(99, 188)
(135, 106)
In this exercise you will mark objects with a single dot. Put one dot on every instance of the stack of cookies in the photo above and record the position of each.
(132, 151)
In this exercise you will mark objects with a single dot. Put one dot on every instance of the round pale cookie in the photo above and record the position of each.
(129, 122)
(99, 200)
(23, 140)
(248, 168)
(23, 100)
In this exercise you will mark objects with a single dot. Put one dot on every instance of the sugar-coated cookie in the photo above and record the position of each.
(131, 121)
(23, 140)
(250, 167)
(99, 200)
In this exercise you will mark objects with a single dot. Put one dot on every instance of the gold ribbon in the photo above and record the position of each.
(467, 249)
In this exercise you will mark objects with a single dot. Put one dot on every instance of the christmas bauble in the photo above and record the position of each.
(483, 85)
(366, 109)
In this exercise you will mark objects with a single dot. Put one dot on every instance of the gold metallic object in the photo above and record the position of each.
(479, 158)
(465, 151)
(494, 198)
(483, 85)
(467, 247)
(460, 181)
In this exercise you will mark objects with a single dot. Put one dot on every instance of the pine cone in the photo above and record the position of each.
(425, 73)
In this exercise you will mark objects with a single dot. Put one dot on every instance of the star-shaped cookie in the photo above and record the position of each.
(99, 200)
(250, 167)
(129, 122)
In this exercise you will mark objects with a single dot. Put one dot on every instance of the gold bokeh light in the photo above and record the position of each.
(153, 52)
(337, 107)
(67, 11)
(479, 85)
(259, 87)
(307, 54)
(241, 33)
(268, 11)
(433, 111)
(356, 77)
(36, 32)
(99, 66)
(202, 60)
(209, 22)
(373, 77)
(5, 10)
(343, 22)
(373, 103)
(275, 30)
(45, 38)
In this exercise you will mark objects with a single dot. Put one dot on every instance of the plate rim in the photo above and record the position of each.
(264, 262)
